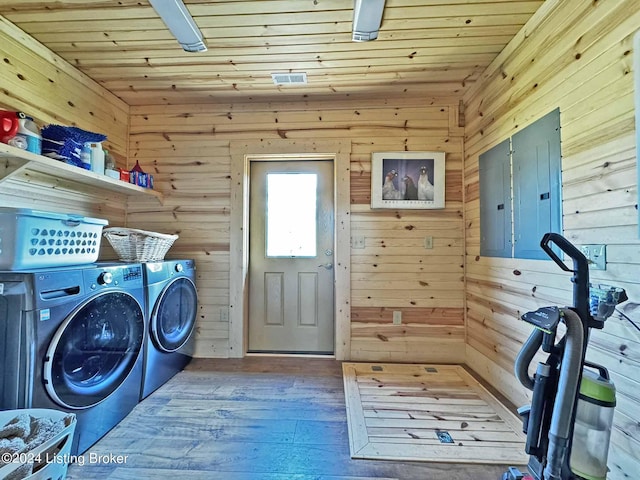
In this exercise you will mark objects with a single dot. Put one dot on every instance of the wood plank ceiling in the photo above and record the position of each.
(434, 47)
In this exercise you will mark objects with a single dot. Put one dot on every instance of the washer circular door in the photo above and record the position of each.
(94, 350)
(174, 315)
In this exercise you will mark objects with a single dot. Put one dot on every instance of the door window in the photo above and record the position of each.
(291, 214)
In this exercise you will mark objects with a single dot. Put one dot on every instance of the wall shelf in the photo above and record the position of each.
(14, 161)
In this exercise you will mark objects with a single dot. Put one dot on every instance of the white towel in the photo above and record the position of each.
(25, 433)
(20, 426)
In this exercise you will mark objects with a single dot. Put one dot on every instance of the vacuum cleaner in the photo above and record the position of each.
(568, 424)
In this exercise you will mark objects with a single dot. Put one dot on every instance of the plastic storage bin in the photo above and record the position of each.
(51, 459)
(37, 239)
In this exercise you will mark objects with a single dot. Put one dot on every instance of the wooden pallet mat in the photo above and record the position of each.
(401, 412)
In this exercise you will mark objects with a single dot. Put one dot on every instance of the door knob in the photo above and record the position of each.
(328, 266)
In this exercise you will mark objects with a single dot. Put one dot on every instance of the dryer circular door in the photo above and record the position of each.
(174, 315)
(94, 350)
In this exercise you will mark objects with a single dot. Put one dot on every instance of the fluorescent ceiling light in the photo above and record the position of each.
(367, 16)
(178, 19)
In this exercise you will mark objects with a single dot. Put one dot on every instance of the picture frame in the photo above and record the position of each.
(411, 180)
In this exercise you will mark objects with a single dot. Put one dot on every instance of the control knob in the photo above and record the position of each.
(105, 278)
(178, 267)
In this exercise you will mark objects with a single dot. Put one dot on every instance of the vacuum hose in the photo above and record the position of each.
(565, 396)
(526, 354)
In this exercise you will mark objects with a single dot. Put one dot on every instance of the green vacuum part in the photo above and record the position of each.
(594, 387)
(592, 427)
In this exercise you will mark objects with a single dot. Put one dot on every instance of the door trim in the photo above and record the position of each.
(242, 153)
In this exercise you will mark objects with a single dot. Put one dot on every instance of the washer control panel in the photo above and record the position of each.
(108, 276)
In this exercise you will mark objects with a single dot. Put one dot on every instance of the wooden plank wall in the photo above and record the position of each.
(187, 148)
(38, 82)
(394, 271)
(575, 55)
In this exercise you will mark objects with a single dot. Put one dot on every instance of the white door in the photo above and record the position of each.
(291, 242)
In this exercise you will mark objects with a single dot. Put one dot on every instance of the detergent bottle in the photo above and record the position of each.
(30, 132)
(20, 131)
(9, 124)
(85, 156)
(97, 158)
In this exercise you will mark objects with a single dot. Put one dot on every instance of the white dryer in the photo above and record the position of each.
(172, 304)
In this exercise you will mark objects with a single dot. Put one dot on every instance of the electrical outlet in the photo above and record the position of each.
(357, 241)
(224, 314)
(428, 242)
(596, 256)
(397, 317)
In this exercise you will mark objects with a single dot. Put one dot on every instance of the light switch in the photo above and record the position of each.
(596, 256)
(428, 242)
(357, 241)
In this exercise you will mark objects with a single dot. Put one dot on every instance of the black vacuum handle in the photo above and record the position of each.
(602, 371)
(580, 270)
(567, 247)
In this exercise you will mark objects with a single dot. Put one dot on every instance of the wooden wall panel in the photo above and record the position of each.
(43, 85)
(186, 147)
(394, 271)
(578, 58)
(193, 171)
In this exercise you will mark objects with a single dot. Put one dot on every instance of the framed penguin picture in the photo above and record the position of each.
(407, 180)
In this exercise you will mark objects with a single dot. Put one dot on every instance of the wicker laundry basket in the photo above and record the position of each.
(133, 245)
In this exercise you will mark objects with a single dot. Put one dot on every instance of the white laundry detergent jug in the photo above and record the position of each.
(31, 134)
(97, 158)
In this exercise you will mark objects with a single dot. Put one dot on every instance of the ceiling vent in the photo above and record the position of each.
(289, 78)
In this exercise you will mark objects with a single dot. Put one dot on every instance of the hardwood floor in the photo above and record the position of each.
(250, 419)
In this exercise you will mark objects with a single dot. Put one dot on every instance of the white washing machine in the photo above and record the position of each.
(172, 304)
(71, 339)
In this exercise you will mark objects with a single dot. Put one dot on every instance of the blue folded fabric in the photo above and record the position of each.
(65, 143)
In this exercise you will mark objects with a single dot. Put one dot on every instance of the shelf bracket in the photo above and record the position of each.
(10, 167)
